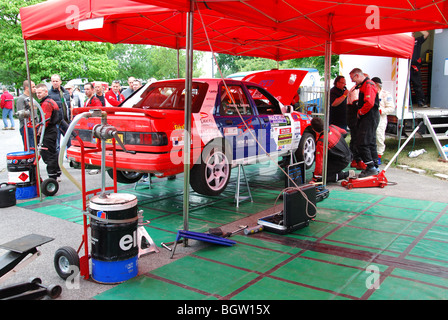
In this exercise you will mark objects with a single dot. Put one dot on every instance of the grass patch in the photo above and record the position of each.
(428, 161)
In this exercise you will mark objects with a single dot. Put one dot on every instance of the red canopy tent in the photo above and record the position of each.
(126, 21)
(329, 19)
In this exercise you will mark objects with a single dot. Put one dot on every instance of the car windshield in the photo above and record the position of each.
(171, 95)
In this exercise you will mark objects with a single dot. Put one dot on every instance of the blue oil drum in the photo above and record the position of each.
(113, 225)
(22, 172)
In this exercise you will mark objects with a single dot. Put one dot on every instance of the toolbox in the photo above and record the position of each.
(7, 195)
(299, 207)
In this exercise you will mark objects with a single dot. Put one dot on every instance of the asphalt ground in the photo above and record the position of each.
(16, 222)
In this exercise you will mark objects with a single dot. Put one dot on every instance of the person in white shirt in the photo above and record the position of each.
(387, 106)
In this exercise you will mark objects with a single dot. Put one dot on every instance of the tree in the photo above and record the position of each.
(315, 62)
(231, 64)
(145, 61)
(69, 59)
(228, 63)
(256, 64)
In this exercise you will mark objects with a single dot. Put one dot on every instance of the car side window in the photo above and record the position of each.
(233, 98)
(171, 95)
(265, 102)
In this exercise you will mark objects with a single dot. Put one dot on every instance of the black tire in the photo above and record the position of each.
(126, 176)
(212, 174)
(64, 258)
(49, 187)
(307, 150)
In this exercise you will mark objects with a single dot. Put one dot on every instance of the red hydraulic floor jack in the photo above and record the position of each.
(378, 180)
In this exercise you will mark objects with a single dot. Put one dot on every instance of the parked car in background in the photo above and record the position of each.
(233, 122)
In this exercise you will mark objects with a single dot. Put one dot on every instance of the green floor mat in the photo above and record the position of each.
(353, 236)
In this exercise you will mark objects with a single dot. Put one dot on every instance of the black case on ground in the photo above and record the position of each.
(7, 195)
(296, 213)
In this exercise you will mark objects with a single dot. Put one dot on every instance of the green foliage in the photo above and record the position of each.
(256, 64)
(144, 62)
(315, 62)
(69, 59)
(74, 59)
(232, 64)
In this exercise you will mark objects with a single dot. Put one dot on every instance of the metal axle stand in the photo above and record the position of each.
(237, 193)
(147, 182)
(142, 235)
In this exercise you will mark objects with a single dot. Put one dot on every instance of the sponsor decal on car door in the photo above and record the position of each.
(276, 125)
(281, 132)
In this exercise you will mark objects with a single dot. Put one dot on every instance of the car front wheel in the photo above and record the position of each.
(307, 150)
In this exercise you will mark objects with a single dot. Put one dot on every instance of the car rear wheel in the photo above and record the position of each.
(306, 150)
(212, 174)
(125, 176)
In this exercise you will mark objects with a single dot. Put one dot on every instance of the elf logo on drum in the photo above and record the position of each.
(128, 241)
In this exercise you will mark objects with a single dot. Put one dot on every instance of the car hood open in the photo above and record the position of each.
(283, 84)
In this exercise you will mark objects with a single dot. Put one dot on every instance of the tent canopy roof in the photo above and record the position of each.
(126, 21)
(330, 19)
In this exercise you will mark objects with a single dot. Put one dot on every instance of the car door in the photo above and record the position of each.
(276, 126)
(232, 107)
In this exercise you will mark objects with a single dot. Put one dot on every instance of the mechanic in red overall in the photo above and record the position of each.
(368, 119)
(52, 115)
(339, 154)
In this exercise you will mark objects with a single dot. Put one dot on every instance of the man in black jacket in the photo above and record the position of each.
(416, 64)
(338, 103)
(62, 99)
(49, 153)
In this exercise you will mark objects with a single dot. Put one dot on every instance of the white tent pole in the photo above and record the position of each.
(326, 109)
(187, 129)
(405, 100)
(36, 148)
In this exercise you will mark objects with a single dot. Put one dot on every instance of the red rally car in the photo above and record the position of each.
(233, 122)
